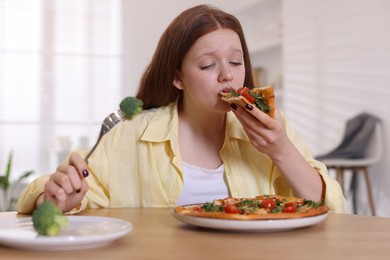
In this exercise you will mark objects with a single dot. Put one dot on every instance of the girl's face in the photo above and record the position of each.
(213, 63)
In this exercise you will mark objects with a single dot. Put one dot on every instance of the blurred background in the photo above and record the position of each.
(66, 64)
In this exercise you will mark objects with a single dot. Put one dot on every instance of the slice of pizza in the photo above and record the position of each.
(258, 208)
(263, 98)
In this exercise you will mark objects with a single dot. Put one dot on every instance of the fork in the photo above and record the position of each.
(108, 123)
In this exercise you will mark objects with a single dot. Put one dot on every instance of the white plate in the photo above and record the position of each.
(82, 233)
(251, 225)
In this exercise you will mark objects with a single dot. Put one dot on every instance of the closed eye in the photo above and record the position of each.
(206, 67)
(236, 63)
(213, 64)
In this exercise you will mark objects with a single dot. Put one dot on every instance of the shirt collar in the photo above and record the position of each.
(163, 125)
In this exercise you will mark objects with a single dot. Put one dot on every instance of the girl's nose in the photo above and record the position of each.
(225, 75)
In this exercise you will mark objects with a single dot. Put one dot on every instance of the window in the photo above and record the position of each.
(60, 76)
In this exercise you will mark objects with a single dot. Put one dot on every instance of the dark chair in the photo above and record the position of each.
(360, 148)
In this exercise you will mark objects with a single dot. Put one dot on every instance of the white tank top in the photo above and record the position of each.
(202, 185)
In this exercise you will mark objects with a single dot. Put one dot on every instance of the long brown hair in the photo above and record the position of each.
(156, 86)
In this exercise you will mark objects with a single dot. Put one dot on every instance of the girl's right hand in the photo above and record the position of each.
(67, 186)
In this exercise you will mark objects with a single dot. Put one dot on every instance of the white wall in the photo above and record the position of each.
(336, 65)
(145, 21)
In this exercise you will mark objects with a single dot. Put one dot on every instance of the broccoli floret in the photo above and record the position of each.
(130, 106)
(48, 219)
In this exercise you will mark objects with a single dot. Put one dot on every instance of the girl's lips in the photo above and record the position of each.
(227, 90)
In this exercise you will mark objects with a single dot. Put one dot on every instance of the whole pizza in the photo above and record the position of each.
(258, 208)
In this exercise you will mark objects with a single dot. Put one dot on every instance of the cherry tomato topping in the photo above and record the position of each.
(229, 208)
(289, 207)
(268, 204)
(240, 90)
(244, 91)
(248, 97)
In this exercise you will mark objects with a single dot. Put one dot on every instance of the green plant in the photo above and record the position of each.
(9, 197)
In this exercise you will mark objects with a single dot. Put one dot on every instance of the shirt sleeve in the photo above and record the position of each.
(28, 198)
(334, 197)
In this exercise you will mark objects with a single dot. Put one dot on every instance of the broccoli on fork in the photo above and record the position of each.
(48, 219)
(130, 106)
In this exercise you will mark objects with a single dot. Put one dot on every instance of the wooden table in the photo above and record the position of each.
(158, 235)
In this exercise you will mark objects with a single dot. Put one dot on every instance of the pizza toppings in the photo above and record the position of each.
(260, 207)
(262, 98)
(268, 204)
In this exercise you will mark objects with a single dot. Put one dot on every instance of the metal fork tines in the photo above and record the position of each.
(108, 123)
(111, 120)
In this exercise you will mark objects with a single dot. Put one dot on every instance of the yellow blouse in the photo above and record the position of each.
(138, 164)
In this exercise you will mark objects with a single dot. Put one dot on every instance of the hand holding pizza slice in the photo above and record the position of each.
(262, 98)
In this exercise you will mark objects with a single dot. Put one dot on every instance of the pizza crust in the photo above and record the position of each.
(269, 96)
(239, 101)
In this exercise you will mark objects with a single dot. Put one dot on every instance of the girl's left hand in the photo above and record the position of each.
(266, 134)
